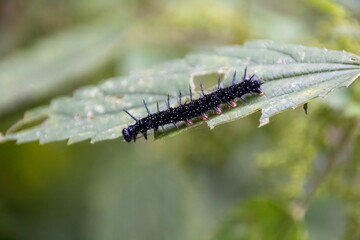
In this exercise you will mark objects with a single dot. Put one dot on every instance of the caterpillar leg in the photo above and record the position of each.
(217, 110)
(188, 122)
(204, 116)
(144, 134)
(232, 104)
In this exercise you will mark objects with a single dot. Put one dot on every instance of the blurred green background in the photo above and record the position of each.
(296, 178)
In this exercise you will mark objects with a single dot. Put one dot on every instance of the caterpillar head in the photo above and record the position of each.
(254, 85)
(129, 134)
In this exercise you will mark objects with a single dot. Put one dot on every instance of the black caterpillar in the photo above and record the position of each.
(194, 108)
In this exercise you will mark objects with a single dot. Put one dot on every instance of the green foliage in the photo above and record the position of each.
(289, 162)
(57, 62)
(293, 75)
(296, 178)
(262, 219)
(326, 213)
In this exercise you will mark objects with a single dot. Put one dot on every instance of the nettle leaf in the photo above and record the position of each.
(56, 62)
(293, 75)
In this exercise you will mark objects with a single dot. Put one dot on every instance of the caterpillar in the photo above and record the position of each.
(187, 111)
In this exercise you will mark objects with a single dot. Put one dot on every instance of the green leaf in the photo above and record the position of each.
(57, 62)
(293, 75)
(151, 201)
(326, 219)
(263, 219)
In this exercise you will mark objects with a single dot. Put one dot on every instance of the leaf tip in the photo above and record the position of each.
(263, 121)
